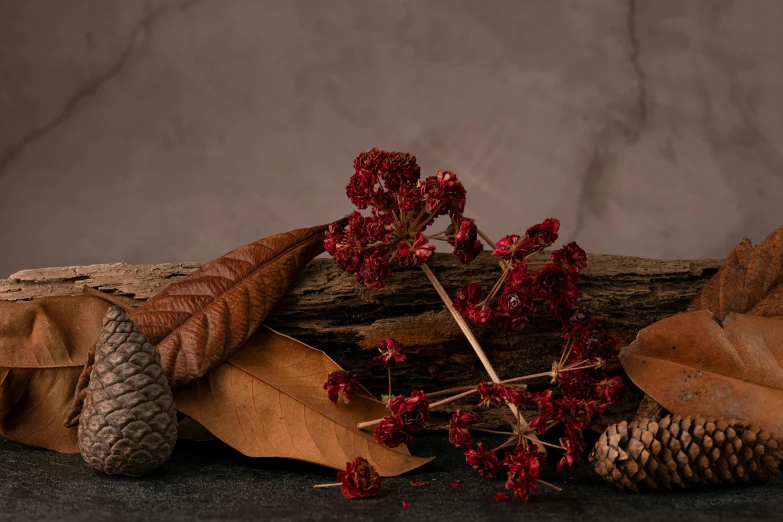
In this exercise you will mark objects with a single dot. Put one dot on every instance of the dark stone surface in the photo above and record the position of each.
(209, 481)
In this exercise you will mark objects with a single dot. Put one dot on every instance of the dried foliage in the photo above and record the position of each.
(268, 400)
(724, 357)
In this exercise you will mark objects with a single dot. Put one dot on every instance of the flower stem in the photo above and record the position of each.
(495, 432)
(509, 442)
(486, 238)
(549, 484)
(473, 341)
(389, 370)
(461, 323)
(330, 485)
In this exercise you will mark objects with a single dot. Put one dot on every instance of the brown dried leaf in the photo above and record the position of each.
(268, 400)
(199, 322)
(694, 364)
(43, 347)
(748, 282)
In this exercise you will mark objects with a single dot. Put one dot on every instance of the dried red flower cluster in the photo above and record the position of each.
(402, 207)
(359, 479)
(510, 303)
(408, 419)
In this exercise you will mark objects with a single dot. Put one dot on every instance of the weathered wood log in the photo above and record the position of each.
(330, 311)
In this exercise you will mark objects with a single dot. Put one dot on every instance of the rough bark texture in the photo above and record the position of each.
(328, 310)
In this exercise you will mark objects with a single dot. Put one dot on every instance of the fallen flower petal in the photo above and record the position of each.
(453, 485)
(405, 505)
(501, 496)
(418, 483)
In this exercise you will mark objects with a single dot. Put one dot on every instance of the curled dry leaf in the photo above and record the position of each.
(748, 282)
(724, 357)
(43, 348)
(694, 365)
(199, 322)
(267, 400)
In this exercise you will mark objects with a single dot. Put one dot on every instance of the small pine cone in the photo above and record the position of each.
(685, 451)
(128, 425)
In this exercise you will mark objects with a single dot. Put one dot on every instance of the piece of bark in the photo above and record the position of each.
(328, 310)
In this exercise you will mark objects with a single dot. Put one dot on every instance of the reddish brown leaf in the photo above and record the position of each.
(268, 400)
(695, 364)
(43, 347)
(748, 282)
(202, 320)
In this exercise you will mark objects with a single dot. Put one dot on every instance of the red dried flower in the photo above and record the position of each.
(514, 248)
(341, 382)
(608, 391)
(499, 497)
(378, 226)
(443, 193)
(463, 236)
(359, 479)
(390, 433)
(492, 395)
(465, 300)
(520, 277)
(544, 234)
(578, 322)
(556, 285)
(374, 270)
(332, 237)
(399, 169)
(412, 413)
(361, 188)
(482, 316)
(515, 394)
(575, 445)
(515, 308)
(391, 353)
(458, 427)
(416, 255)
(576, 384)
(485, 462)
(571, 256)
(597, 344)
(524, 464)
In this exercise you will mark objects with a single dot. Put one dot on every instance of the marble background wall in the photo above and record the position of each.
(171, 130)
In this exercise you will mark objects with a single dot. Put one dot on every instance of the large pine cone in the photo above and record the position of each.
(684, 452)
(128, 425)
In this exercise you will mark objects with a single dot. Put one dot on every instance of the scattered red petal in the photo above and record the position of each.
(501, 496)
(405, 505)
(453, 485)
(418, 483)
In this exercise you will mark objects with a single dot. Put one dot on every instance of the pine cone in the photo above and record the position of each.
(128, 425)
(685, 452)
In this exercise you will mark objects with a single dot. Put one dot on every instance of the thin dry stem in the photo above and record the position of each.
(549, 484)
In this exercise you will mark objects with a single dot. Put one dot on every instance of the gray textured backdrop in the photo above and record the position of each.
(152, 131)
